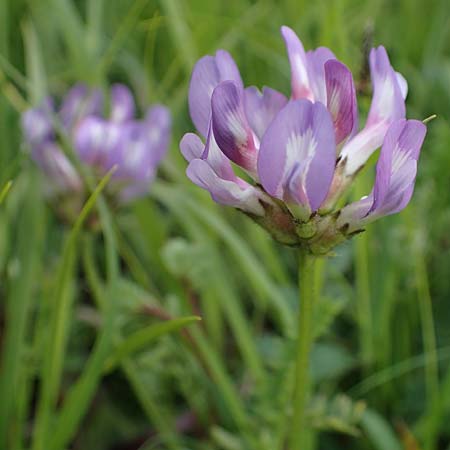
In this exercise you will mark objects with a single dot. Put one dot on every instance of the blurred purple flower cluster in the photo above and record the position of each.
(100, 140)
(301, 154)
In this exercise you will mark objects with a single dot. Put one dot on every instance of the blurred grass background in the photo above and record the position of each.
(222, 384)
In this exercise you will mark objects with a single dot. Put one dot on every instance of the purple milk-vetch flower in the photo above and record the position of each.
(54, 163)
(40, 135)
(210, 169)
(388, 105)
(395, 176)
(297, 155)
(208, 166)
(79, 102)
(101, 139)
(300, 154)
(319, 77)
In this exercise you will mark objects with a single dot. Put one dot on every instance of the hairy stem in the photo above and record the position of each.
(306, 274)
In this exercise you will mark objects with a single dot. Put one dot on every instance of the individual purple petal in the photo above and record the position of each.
(352, 216)
(242, 196)
(341, 99)
(301, 87)
(159, 124)
(216, 159)
(397, 166)
(95, 139)
(208, 72)
(261, 108)
(388, 105)
(403, 84)
(297, 154)
(388, 102)
(191, 147)
(122, 103)
(37, 124)
(141, 146)
(134, 153)
(210, 169)
(80, 102)
(357, 150)
(316, 60)
(395, 176)
(231, 129)
(57, 167)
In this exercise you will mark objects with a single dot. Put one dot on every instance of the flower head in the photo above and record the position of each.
(301, 154)
(100, 141)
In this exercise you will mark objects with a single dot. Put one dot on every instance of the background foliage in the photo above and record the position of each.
(86, 359)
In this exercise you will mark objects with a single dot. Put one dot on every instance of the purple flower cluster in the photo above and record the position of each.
(100, 140)
(302, 153)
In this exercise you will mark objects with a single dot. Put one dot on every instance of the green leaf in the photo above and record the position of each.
(4, 191)
(82, 391)
(60, 322)
(37, 84)
(339, 414)
(326, 310)
(330, 361)
(144, 337)
(379, 432)
(18, 306)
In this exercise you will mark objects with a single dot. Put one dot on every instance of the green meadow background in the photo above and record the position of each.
(99, 346)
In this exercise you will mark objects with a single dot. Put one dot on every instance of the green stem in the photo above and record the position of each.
(259, 279)
(363, 308)
(306, 277)
(56, 341)
(231, 397)
(60, 322)
(128, 366)
(18, 313)
(81, 393)
(429, 344)
(149, 406)
(243, 334)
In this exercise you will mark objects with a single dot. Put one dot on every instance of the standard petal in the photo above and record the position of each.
(261, 108)
(208, 72)
(316, 60)
(388, 102)
(397, 166)
(227, 68)
(231, 129)
(297, 154)
(395, 176)
(133, 153)
(300, 84)
(57, 167)
(95, 140)
(341, 99)
(37, 124)
(242, 196)
(122, 103)
(388, 105)
(80, 102)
